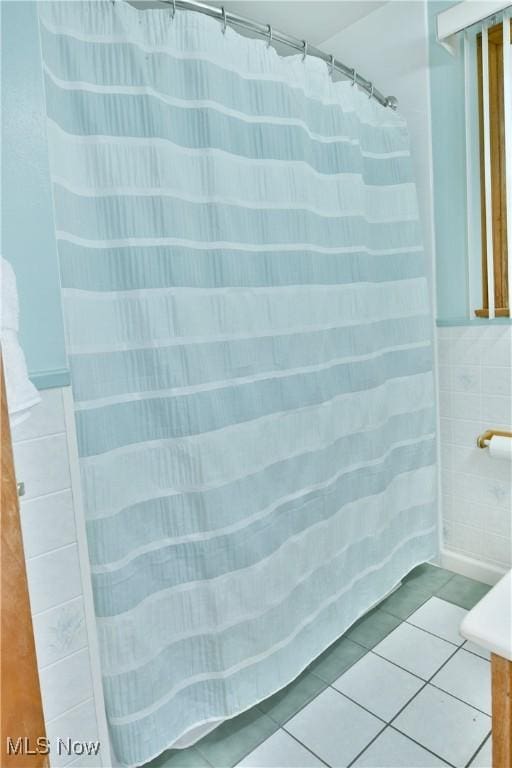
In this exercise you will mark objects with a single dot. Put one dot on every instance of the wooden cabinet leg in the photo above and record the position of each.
(501, 712)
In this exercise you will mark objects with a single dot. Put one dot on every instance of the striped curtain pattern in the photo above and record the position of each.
(248, 331)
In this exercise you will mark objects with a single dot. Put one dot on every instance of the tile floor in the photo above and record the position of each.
(400, 689)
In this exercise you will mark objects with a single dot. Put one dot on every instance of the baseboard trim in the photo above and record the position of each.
(468, 566)
(51, 379)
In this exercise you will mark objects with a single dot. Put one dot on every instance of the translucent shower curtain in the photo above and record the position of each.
(248, 331)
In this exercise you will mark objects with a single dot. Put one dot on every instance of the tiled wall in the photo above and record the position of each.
(56, 576)
(475, 380)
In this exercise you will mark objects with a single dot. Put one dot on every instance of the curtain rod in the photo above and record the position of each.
(266, 30)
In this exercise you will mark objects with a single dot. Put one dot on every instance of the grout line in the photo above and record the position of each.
(414, 674)
(361, 706)
(425, 682)
(402, 619)
(433, 634)
(419, 744)
(205, 758)
(305, 746)
(474, 653)
(51, 551)
(377, 717)
(70, 709)
(428, 682)
(63, 658)
(463, 701)
(478, 750)
(24, 501)
(36, 438)
(283, 723)
(457, 648)
(325, 686)
(367, 746)
(58, 605)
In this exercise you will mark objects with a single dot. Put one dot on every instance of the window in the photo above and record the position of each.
(493, 173)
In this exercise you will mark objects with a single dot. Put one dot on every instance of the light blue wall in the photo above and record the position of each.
(28, 239)
(449, 160)
(27, 219)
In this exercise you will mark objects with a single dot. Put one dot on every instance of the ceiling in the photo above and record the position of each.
(315, 20)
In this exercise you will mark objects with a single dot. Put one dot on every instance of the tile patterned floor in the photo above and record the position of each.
(400, 690)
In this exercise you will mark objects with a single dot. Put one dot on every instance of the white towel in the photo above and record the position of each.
(21, 393)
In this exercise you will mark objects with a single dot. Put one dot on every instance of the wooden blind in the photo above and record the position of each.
(498, 199)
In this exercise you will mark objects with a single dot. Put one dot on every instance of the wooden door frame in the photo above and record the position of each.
(20, 694)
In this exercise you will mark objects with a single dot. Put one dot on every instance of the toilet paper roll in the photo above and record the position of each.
(500, 447)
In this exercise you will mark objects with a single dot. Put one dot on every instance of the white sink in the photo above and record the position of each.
(489, 623)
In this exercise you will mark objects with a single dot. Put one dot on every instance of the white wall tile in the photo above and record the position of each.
(462, 511)
(492, 332)
(60, 631)
(54, 578)
(86, 761)
(476, 395)
(445, 377)
(466, 431)
(465, 406)
(497, 381)
(42, 464)
(446, 429)
(497, 351)
(46, 418)
(47, 522)
(444, 351)
(445, 452)
(78, 724)
(52, 554)
(465, 351)
(466, 378)
(445, 403)
(475, 460)
(497, 410)
(66, 684)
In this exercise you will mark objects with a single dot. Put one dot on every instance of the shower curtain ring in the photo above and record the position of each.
(224, 21)
(173, 9)
(331, 65)
(269, 42)
(354, 74)
(371, 91)
(305, 47)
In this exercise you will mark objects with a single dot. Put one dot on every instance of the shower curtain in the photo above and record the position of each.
(248, 329)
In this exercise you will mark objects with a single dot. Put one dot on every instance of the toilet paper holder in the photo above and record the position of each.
(483, 440)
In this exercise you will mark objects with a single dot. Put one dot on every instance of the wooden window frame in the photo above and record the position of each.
(498, 174)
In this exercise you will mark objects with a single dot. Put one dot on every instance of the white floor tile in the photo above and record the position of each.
(474, 648)
(415, 650)
(393, 750)
(484, 758)
(280, 751)
(334, 728)
(441, 618)
(469, 678)
(378, 685)
(448, 727)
